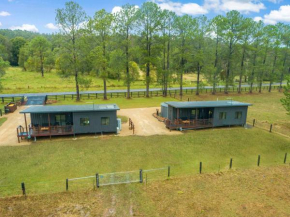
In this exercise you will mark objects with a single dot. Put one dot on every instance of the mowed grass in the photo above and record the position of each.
(18, 81)
(123, 103)
(47, 162)
(2, 120)
(261, 191)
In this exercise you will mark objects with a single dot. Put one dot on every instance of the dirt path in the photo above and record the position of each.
(8, 128)
(145, 123)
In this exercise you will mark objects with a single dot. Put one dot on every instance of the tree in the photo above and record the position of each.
(285, 40)
(149, 21)
(185, 27)
(275, 45)
(70, 21)
(216, 26)
(40, 50)
(199, 55)
(3, 66)
(246, 42)
(256, 50)
(125, 22)
(23, 56)
(264, 52)
(5, 48)
(16, 44)
(286, 101)
(232, 35)
(102, 28)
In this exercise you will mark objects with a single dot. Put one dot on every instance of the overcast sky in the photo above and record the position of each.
(39, 15)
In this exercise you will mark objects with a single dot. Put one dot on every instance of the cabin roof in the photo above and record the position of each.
(71, 108)
(207, 104)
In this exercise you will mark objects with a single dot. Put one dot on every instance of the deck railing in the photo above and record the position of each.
(51, 130)
(190, 123)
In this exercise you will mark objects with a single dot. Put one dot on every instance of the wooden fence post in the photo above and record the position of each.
(200, 167)
(66, 185)
(23, 189)
(231, 163)
(141, 175)
(259, 158)
(97, 180)
(271, 128)
(254, 121)
(168, 171)
(285, 158)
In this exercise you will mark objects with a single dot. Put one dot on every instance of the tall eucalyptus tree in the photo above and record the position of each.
(125, 24)
(102, 25)
(185, 27)
(70, 21)
(149, 23)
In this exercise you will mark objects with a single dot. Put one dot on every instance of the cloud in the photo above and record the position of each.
(180, 9)
(258, 19)
(27, 27)
(116, 9)
(4, 13)
(51, 26)
(275, 1)
(275, 16)
(191, 8)
(10, 0)
(242, 6)
(0, 24)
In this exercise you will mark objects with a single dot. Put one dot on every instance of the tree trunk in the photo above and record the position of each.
(77, 87)
(197, 81)
(181, 84)
(242, 71)
(272, 73)
(105, 89)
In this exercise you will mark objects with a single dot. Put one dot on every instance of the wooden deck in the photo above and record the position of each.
(51, 131)
(179, 124)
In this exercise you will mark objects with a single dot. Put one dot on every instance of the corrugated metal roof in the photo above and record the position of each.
(71, 108)
(207, 104)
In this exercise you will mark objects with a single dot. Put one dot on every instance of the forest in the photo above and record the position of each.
(224, 50)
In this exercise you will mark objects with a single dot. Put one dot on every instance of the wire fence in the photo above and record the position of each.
(272, 127)
(101, 180)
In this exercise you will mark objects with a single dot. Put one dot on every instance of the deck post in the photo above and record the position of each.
(49, 126)
(25, 122)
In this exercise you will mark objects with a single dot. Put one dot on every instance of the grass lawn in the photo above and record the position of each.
(121, 102)
(255, 192)
(124, 119)
(47, 162)
(2, 120)
(17, 81)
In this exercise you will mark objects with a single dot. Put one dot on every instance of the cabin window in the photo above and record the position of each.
(223, 115)
(60, 120)
(105, 121)
(85, 121)
(238, 115)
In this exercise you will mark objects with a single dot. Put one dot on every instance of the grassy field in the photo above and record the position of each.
(57, 160)
(261, 191)
(2, 120)
(17, 81)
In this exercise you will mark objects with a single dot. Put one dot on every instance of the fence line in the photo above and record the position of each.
(123, 93)
(124, 177)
